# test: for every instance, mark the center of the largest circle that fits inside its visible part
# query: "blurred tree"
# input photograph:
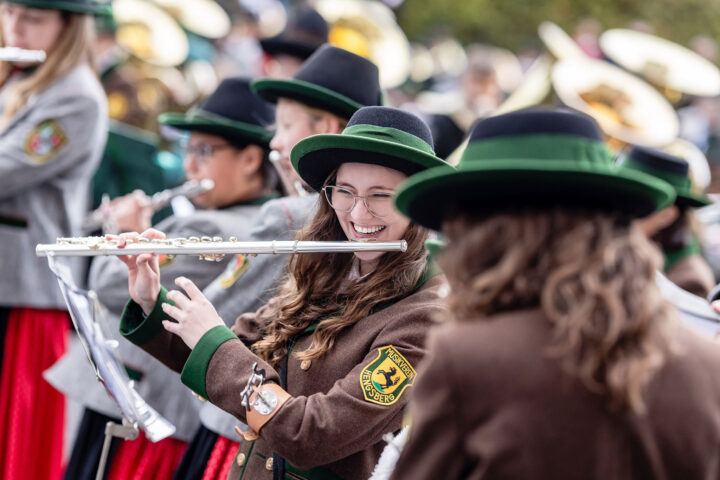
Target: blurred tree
(513, 23)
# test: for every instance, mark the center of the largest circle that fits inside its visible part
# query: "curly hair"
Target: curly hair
(591, 273)
(314, 292)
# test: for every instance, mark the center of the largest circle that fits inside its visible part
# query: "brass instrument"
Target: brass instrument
(99, 217)
(292, 185)
(14, 54)
(672, 68)
(201, 17)
(368, 28)
(207, 248)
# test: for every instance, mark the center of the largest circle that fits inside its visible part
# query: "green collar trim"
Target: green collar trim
(671, 258)
(389, 134)
(263, 200)
(574, 150)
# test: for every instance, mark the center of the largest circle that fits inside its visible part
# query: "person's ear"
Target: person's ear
(251, 158)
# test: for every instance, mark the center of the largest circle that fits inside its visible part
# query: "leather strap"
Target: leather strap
(255, 419)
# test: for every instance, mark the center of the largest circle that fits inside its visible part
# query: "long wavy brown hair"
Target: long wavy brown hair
(592, 274)
(313, 290)
(74, 46)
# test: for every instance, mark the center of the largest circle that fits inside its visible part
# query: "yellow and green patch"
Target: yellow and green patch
(234, 271)
(384, 379)
(44, 141)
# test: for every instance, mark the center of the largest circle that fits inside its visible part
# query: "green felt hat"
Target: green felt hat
(383, 136)
(231, 112)
(331, 79)
(674, 170)
(538, 157)
(77, 6)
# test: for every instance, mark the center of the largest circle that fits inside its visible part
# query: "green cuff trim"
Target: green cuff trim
(140, 329)
(195, 369)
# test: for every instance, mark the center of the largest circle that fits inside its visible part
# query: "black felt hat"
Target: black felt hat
(305, 32)
(537, 157)
(384, 136)
(447, 135)
(77, 6)
(332, 79)
(670, 168)
(231, 112)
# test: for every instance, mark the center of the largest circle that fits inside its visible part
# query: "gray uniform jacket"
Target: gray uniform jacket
(278, 220)
(159, 386)
(49, 152)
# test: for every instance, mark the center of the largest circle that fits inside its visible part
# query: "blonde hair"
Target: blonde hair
(73, 47)
(593, 275)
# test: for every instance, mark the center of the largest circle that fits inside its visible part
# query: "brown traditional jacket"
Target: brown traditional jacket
(490, 404)
(342, 403)
(692, 273)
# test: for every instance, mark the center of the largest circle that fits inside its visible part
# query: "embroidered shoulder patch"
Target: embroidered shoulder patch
(234, 270)
(384, 379)
(44, 141)
(165, 260)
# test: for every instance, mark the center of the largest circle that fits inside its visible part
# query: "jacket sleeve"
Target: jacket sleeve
(54, 137)
(323, 427)
(434, 446)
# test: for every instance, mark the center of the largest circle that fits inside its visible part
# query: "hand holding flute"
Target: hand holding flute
(194, 315)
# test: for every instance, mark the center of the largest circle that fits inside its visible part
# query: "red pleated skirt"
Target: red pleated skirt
(141, 459)
(32, 413)
(221, 458)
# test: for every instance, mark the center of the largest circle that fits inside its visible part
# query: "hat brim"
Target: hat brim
(214, 126)
(692, 200)
(429, 196)
(270, 89)
(316, 157)
(278, 46)
(89, 8)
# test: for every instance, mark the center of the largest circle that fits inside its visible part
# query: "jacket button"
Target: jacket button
(240, 460)
(269, 464)
(305, 365)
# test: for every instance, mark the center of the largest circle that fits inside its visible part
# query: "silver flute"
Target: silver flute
(207, 248)
(14, 54)
(98, 218)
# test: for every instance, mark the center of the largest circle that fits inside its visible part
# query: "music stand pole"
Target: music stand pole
(126, 431)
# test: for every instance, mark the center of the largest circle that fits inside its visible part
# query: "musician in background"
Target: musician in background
(305, 32)
(562, 361)
(671, 228)
(323, 95)
(228, 144)
(53, 126)
(339, 341)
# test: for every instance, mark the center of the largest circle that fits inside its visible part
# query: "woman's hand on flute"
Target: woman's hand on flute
(193, 313)
(143, 270)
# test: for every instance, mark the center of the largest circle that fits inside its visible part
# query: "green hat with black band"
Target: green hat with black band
(76, 6)
(532, 158)
(674, 170)
(231, 112)
(383, 136)
(331, 79)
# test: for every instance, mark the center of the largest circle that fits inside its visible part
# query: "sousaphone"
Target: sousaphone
(672, 68)
(369, 29)
(149, 33)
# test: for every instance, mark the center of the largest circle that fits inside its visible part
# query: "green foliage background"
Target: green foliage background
(513, 23)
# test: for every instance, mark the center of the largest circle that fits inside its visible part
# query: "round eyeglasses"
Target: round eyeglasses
(343, 200)
(202, 151)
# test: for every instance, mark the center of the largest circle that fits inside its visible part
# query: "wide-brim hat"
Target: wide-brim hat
(305, 32)
(331, 79)
(674, 170)
(383, 136)
(528, 159)
(231, 112)
(76, 6)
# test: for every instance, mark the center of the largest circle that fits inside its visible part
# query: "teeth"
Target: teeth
(367, 230)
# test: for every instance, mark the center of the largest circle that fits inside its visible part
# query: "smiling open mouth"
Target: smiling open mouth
(367, 230)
